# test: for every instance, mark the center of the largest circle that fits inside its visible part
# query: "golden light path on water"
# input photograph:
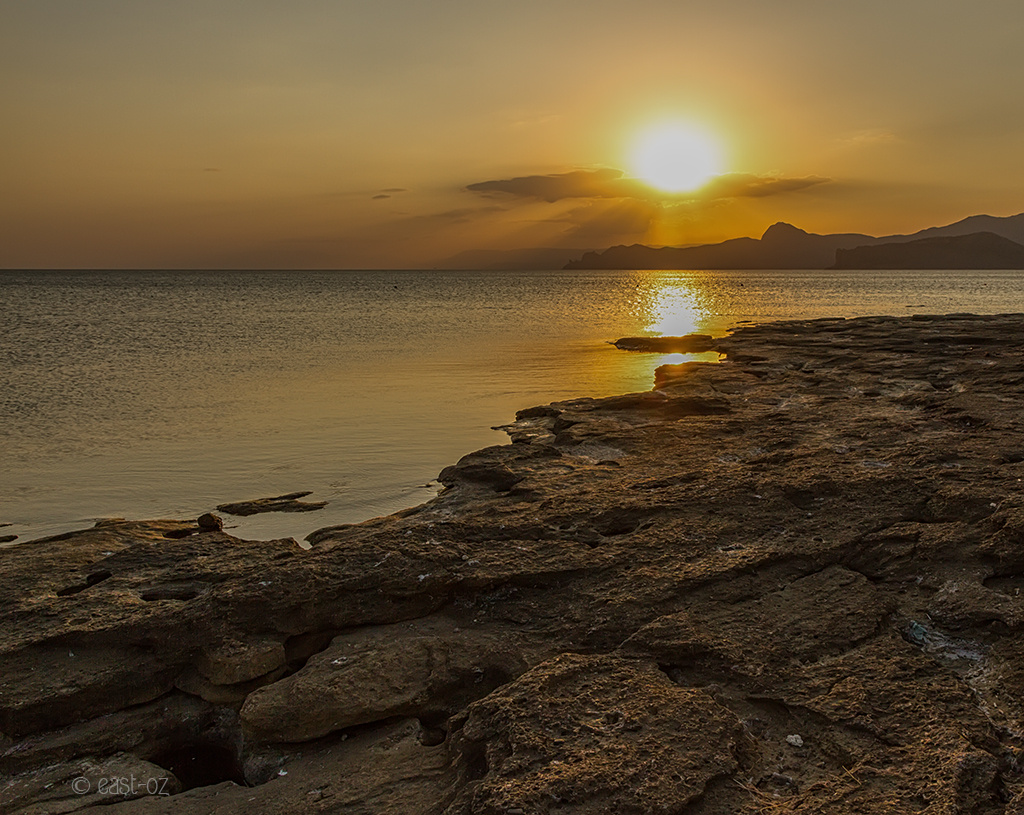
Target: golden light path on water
(674, 311)
(673, 304)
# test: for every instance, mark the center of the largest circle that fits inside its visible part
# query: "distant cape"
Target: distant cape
(784, 246)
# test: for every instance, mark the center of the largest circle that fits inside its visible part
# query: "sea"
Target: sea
(161, 394)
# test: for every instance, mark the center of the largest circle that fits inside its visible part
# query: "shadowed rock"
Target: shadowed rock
(208, 521)
(688, 344)
(378, 673)
(280, 503)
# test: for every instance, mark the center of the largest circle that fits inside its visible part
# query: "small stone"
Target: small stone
(795, 740)
(210, 522)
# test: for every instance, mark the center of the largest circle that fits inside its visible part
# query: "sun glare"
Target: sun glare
(675, 157)
(674, 310)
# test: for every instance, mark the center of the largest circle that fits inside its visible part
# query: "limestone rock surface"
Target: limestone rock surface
(592, 734)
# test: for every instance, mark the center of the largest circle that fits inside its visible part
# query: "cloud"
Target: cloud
(612, 183)
(388, 192)
(459, 216)
(558, 186)
(744, 185)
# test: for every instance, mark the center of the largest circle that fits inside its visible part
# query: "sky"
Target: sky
(400, 133)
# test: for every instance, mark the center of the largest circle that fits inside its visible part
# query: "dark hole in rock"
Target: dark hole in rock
(674, 673)
(475, 758)
(620, 520)
(181, 533)
(1010, 585)
(181, 592)
(300, 647)
(618, 526)
(201, 764)
(432, 731)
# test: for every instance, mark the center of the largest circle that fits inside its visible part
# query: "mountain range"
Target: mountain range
(978, 250)
(977, 242)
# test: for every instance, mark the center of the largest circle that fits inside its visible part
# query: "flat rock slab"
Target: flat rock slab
(278, 503)
(382, 672)
(687, 344)
(86, 783)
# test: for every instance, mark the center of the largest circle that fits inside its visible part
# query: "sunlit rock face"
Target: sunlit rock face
(790, 580)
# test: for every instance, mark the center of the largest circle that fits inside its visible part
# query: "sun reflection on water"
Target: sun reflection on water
(671, 304)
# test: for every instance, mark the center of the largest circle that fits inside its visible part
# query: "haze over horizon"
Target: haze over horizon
(319, 134)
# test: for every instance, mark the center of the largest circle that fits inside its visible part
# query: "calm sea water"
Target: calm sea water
(162, 394)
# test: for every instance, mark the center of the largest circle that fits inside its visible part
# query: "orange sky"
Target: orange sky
(343, 134)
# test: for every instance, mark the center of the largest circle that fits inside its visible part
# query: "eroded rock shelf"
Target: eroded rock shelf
(790, 582)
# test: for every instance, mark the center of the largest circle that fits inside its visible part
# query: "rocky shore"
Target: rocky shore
(790, 582)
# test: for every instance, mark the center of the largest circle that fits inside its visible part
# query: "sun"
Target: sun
(675, 157)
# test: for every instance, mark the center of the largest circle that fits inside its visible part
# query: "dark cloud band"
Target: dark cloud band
(551, 188)
(611, 183)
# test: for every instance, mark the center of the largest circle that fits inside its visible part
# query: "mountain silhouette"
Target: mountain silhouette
(978, 250)
(784, 246)
(1010, 227)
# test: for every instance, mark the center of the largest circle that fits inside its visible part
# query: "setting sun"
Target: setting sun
(675, 157)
